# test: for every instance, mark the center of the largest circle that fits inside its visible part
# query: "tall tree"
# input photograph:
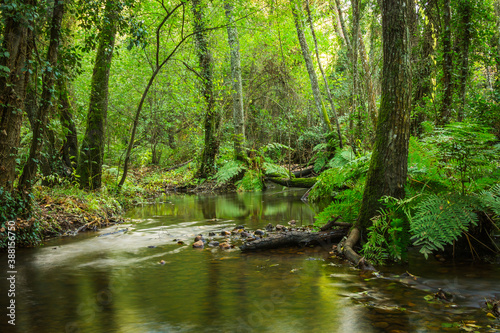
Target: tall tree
(92, 150)
(18, 24)
(48, 88)
(445, 110)
(388, 165)
(211, 146)
(325, 79)
(306, 54)
(464, 12)
(70, 143)
(238, 111)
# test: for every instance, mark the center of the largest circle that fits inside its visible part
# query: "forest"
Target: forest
(392, 107)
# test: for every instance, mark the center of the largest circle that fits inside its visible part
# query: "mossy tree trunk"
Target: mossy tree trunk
(464, 10)
(424, 68)
(48, 87)
(388, 165)
(211, 125)
(306, 54)
(70, 144)
(92, 150)
(237, 93)
(18, 24)
(445, 111)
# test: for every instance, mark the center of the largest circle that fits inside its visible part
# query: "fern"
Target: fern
(490, 200)
(252, 180)
(275, 169)
(439, 221)
(229, 171)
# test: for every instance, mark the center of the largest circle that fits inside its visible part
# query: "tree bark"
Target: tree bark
(294, 182)
(445, 111)
(48, 83)
(238, 111)
(92, 150)
(211, 125)
(464, 11)
(70, 145)
(309, 65)
(370, 91)
(325, 80)
(14, 76)
(388, 165)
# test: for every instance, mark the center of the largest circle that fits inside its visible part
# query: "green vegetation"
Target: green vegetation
(110, 101)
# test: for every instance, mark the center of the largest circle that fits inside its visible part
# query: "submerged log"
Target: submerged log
(295, 238)
(304, 172)
(294, 182)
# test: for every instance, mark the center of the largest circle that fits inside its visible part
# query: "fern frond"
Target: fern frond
(229, 170)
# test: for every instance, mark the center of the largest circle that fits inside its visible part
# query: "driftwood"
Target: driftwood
(294, 182)
(295, 238)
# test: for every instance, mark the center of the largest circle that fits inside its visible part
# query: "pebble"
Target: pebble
(199, 244)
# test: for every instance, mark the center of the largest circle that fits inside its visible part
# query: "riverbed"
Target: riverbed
(144, 276)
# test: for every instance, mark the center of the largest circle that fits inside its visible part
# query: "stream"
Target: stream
(112, 280)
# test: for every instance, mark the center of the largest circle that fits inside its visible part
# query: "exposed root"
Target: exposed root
(347, 249)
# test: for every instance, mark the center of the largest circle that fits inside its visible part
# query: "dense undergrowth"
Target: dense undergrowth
(452, 195)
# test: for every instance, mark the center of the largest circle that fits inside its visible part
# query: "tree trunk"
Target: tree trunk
(238, 111)
(388, 165)
(13, 62)
(70, 145)
(48, 83)
(325, 80)
(309, 65)
(445, 112)
(294, 182)
(92, 150)
(465, 8)
(370, 91)
(497, 57)
(424, 69)
(211, 147)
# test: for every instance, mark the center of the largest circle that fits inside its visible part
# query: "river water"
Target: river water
(112, 280)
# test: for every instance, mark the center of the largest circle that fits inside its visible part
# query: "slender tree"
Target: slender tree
(238, 111)
(92, 150)
(48, 88)
(445, 111)
(70, 143)
(388, 164)
(464, 12)
(325, 79)
(306, 54)
(211, 146)
(18, 24)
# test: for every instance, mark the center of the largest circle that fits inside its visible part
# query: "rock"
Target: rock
(225, 233)
(180, 242)
(245, 234)
(198, 238)
(162, 262)
(279, 227)
(225, 246)
(213, 244)
(211, 234)
(269, 227)
(199, 244)
(292, 222)
(258, 232)
(240, 227)
(151, 246)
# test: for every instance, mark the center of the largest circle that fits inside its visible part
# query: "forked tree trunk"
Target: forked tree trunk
(238, 111)
(13, 62)
(92, 150)
(48, 85)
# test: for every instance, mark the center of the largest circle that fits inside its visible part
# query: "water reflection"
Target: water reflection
(112, 281)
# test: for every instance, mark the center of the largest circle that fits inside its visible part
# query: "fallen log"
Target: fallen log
(178, 166)
(335, 223)
(303, 172)
(296, 238)
(294, 182)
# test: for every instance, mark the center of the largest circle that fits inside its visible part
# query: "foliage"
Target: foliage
(346, 172)
(229, 170)
(388, 235)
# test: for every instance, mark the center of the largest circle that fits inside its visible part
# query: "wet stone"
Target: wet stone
(199, 244)
(213, 244)
(259, 232)
(381, 324)
(211, 234)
